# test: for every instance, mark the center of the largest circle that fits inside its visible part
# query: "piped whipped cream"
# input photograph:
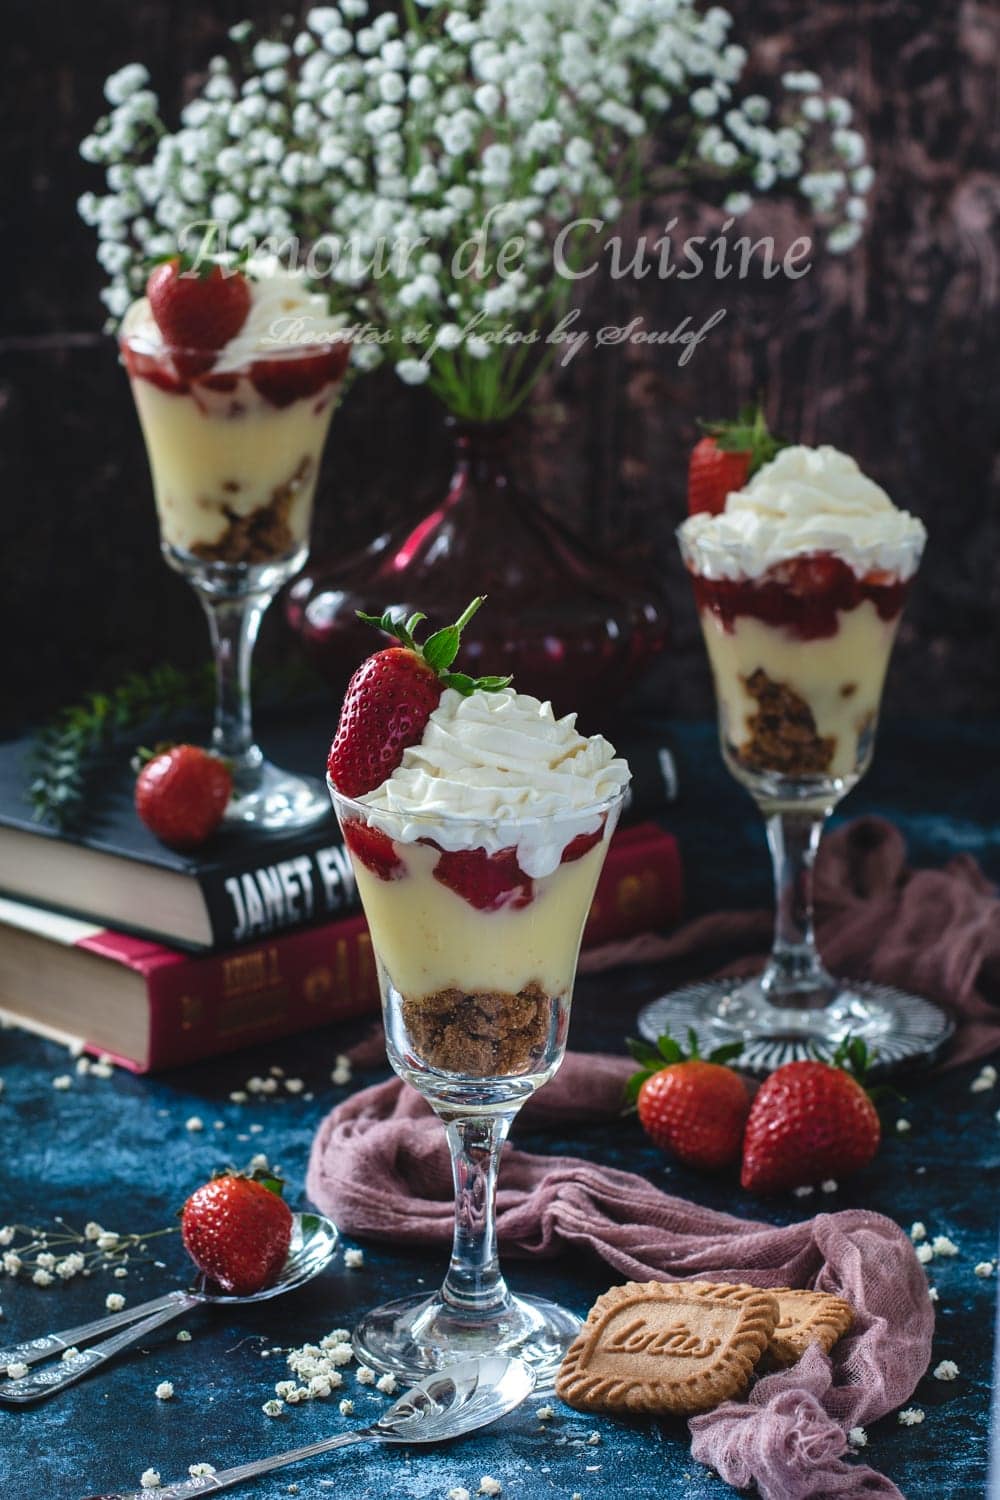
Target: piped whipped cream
(489, 761)
(283, 314)
(805, 500)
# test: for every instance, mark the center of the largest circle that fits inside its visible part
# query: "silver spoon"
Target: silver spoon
(314, 1241)
(444, 1405)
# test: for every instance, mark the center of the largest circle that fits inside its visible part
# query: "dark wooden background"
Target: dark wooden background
(890, 353)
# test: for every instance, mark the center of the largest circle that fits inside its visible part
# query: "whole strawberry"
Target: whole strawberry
(237, 1230)
(693, 1107)
(181, 795)
(390, 698)
(727, 456)
(810, 1121)
(197, 311)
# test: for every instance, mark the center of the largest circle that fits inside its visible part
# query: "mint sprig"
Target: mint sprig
(440, 649)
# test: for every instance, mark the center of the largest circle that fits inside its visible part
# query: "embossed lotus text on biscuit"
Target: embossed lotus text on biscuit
(677, 1339)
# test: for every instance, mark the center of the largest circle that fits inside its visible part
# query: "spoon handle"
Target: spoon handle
(212, 1483)
(56, 1378)
(32, 1350)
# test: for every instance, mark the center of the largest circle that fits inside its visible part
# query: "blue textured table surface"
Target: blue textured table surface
(117, 1150)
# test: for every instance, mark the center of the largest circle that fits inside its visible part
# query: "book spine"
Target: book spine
(641, 887)
(257, 901)
(203, 1006)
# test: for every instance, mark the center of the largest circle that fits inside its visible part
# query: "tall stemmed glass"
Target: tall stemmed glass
(234, 457)
(476, 985)
(798, 658)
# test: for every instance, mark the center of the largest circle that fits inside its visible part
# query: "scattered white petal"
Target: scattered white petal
(386, 1383)
(984, 1269)
(17, 1371)
(458, 1492)
(150, 1479)
(70, 1353)
(829, 1186)
(366, 1375)
(932, 1293)
(64, 1081)
(201, 1471)
(918, 1231)
(946, 1370)
(183, 1337)
(802, 1192)
(942, 1245)
(925, 1254)
(164, 1391)
(354, 1259)
(195, 1123)
(911, 1416)
(114, 1302)
(489, 1486)
(273, 1408)
(545, 1414)
(858, 1437)
(593, 1440)
(346, 1408)
(903, 1127)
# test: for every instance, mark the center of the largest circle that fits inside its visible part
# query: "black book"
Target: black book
(243, 885)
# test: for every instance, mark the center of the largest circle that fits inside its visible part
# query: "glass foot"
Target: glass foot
(271, 798)
(416, 1335)
(901, 1029)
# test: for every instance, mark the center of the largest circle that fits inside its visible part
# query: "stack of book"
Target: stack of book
(157, 958)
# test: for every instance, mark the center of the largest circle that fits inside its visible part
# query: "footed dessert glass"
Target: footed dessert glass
(476, 961)
(234, 456)
(798, 658)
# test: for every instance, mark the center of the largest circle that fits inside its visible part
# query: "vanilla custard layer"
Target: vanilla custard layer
(427, 938)
(840, 677)
(218, 455)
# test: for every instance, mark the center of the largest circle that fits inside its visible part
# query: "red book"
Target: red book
(150, 1007)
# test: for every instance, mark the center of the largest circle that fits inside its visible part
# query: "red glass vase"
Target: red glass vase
(569, 626)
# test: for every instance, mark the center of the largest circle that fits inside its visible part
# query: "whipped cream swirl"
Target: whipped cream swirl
(283, 314)
(805, 500)
(490, 761)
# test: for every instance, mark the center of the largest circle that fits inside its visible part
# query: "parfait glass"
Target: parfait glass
(234, 456)
(476, 961)
(798, 658)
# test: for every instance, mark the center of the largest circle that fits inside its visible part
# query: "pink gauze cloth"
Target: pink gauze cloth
(380, 1168)
(928, 932)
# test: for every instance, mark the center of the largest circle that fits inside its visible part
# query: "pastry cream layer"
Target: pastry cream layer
(840, 677)
(427, 938)
(215, 455)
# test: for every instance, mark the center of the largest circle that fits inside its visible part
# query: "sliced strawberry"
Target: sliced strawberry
(197, 312)
(487, 881)
(374, 849)
(581, 845)
(282, 381)
(158, 371)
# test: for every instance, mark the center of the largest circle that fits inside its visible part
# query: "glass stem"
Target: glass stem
(474, 1284)
(795, 977)
(233, 625)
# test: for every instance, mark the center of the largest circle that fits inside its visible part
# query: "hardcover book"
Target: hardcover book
(151, 1007)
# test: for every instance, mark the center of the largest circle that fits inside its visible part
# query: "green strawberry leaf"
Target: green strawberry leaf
(726, 1053)
(643, 1053)
(669, 1050)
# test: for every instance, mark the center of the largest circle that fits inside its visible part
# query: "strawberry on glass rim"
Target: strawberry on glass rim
(392, 695)
(197, 310)
(727, 456)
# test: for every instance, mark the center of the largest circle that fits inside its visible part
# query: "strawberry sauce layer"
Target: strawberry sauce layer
(279, 381)
(804, 595)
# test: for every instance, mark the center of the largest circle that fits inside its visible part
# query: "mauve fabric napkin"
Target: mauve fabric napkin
(379, 1166)
(929, 932)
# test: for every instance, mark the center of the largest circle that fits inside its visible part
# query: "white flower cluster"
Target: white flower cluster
(436, 158)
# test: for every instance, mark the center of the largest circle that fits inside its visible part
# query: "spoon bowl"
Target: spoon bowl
(448, 1403)
(313, 1245)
